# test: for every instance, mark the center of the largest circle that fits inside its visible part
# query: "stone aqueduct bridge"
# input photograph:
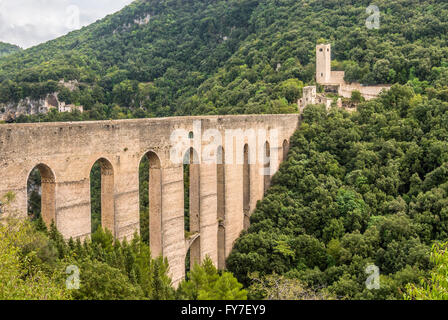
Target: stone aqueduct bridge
(221, 196)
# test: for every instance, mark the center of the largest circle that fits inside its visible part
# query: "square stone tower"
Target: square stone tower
(323, 63)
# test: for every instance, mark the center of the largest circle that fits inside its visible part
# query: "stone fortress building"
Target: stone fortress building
(223, 194)
(333, 82)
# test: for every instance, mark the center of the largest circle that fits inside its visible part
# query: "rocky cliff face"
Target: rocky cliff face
(11, 110)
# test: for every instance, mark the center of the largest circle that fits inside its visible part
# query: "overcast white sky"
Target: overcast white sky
(27, 23)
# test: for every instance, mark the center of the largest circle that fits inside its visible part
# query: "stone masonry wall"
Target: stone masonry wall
(66, 153)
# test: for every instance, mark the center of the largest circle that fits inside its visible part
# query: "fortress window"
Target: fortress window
(320, 49)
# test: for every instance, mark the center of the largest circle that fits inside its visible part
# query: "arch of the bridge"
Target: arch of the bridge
(155, 202)
(48, 192)
(108, 216)
(192, 207)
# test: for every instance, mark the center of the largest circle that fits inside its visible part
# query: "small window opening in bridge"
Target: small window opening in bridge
(191, 203)
(150, 188)
(267, 166)
(285, 150)
(41, 194)
(102, 196)
(246, 188)
(191, 135)
(187, 264)
(221, 198)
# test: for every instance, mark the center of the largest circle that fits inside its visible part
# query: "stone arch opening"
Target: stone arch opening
(41, 193)
(285, 150)
(267, 166)
(192, 203)
(150, 190)
(246, 187)
(102, 196)
(221, 198)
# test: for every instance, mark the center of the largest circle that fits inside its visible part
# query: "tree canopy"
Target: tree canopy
(7, 49)
(357, 189)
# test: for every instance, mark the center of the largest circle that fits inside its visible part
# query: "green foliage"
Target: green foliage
(95, 196)
(100, 281)
(226, 57)
(144, 199)
(33, 265)
(360, 188)
(135, 274)
(206, 283)
(6, 49)
(436, 286)
(356, 96)
(34, 198)
(277, 287)
(144, 68)
(21, 275)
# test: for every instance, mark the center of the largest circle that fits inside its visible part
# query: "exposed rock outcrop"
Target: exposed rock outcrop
(11, 110)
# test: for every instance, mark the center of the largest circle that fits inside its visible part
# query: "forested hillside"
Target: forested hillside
(357, 189)
(38, 264)
(147, 55)
(235, 56)
(360, 188)
(7, 49)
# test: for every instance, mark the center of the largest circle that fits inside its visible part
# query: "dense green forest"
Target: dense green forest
(361, 188)
(357, 189)
(7, 49)
(220, 57)
(36, 263)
